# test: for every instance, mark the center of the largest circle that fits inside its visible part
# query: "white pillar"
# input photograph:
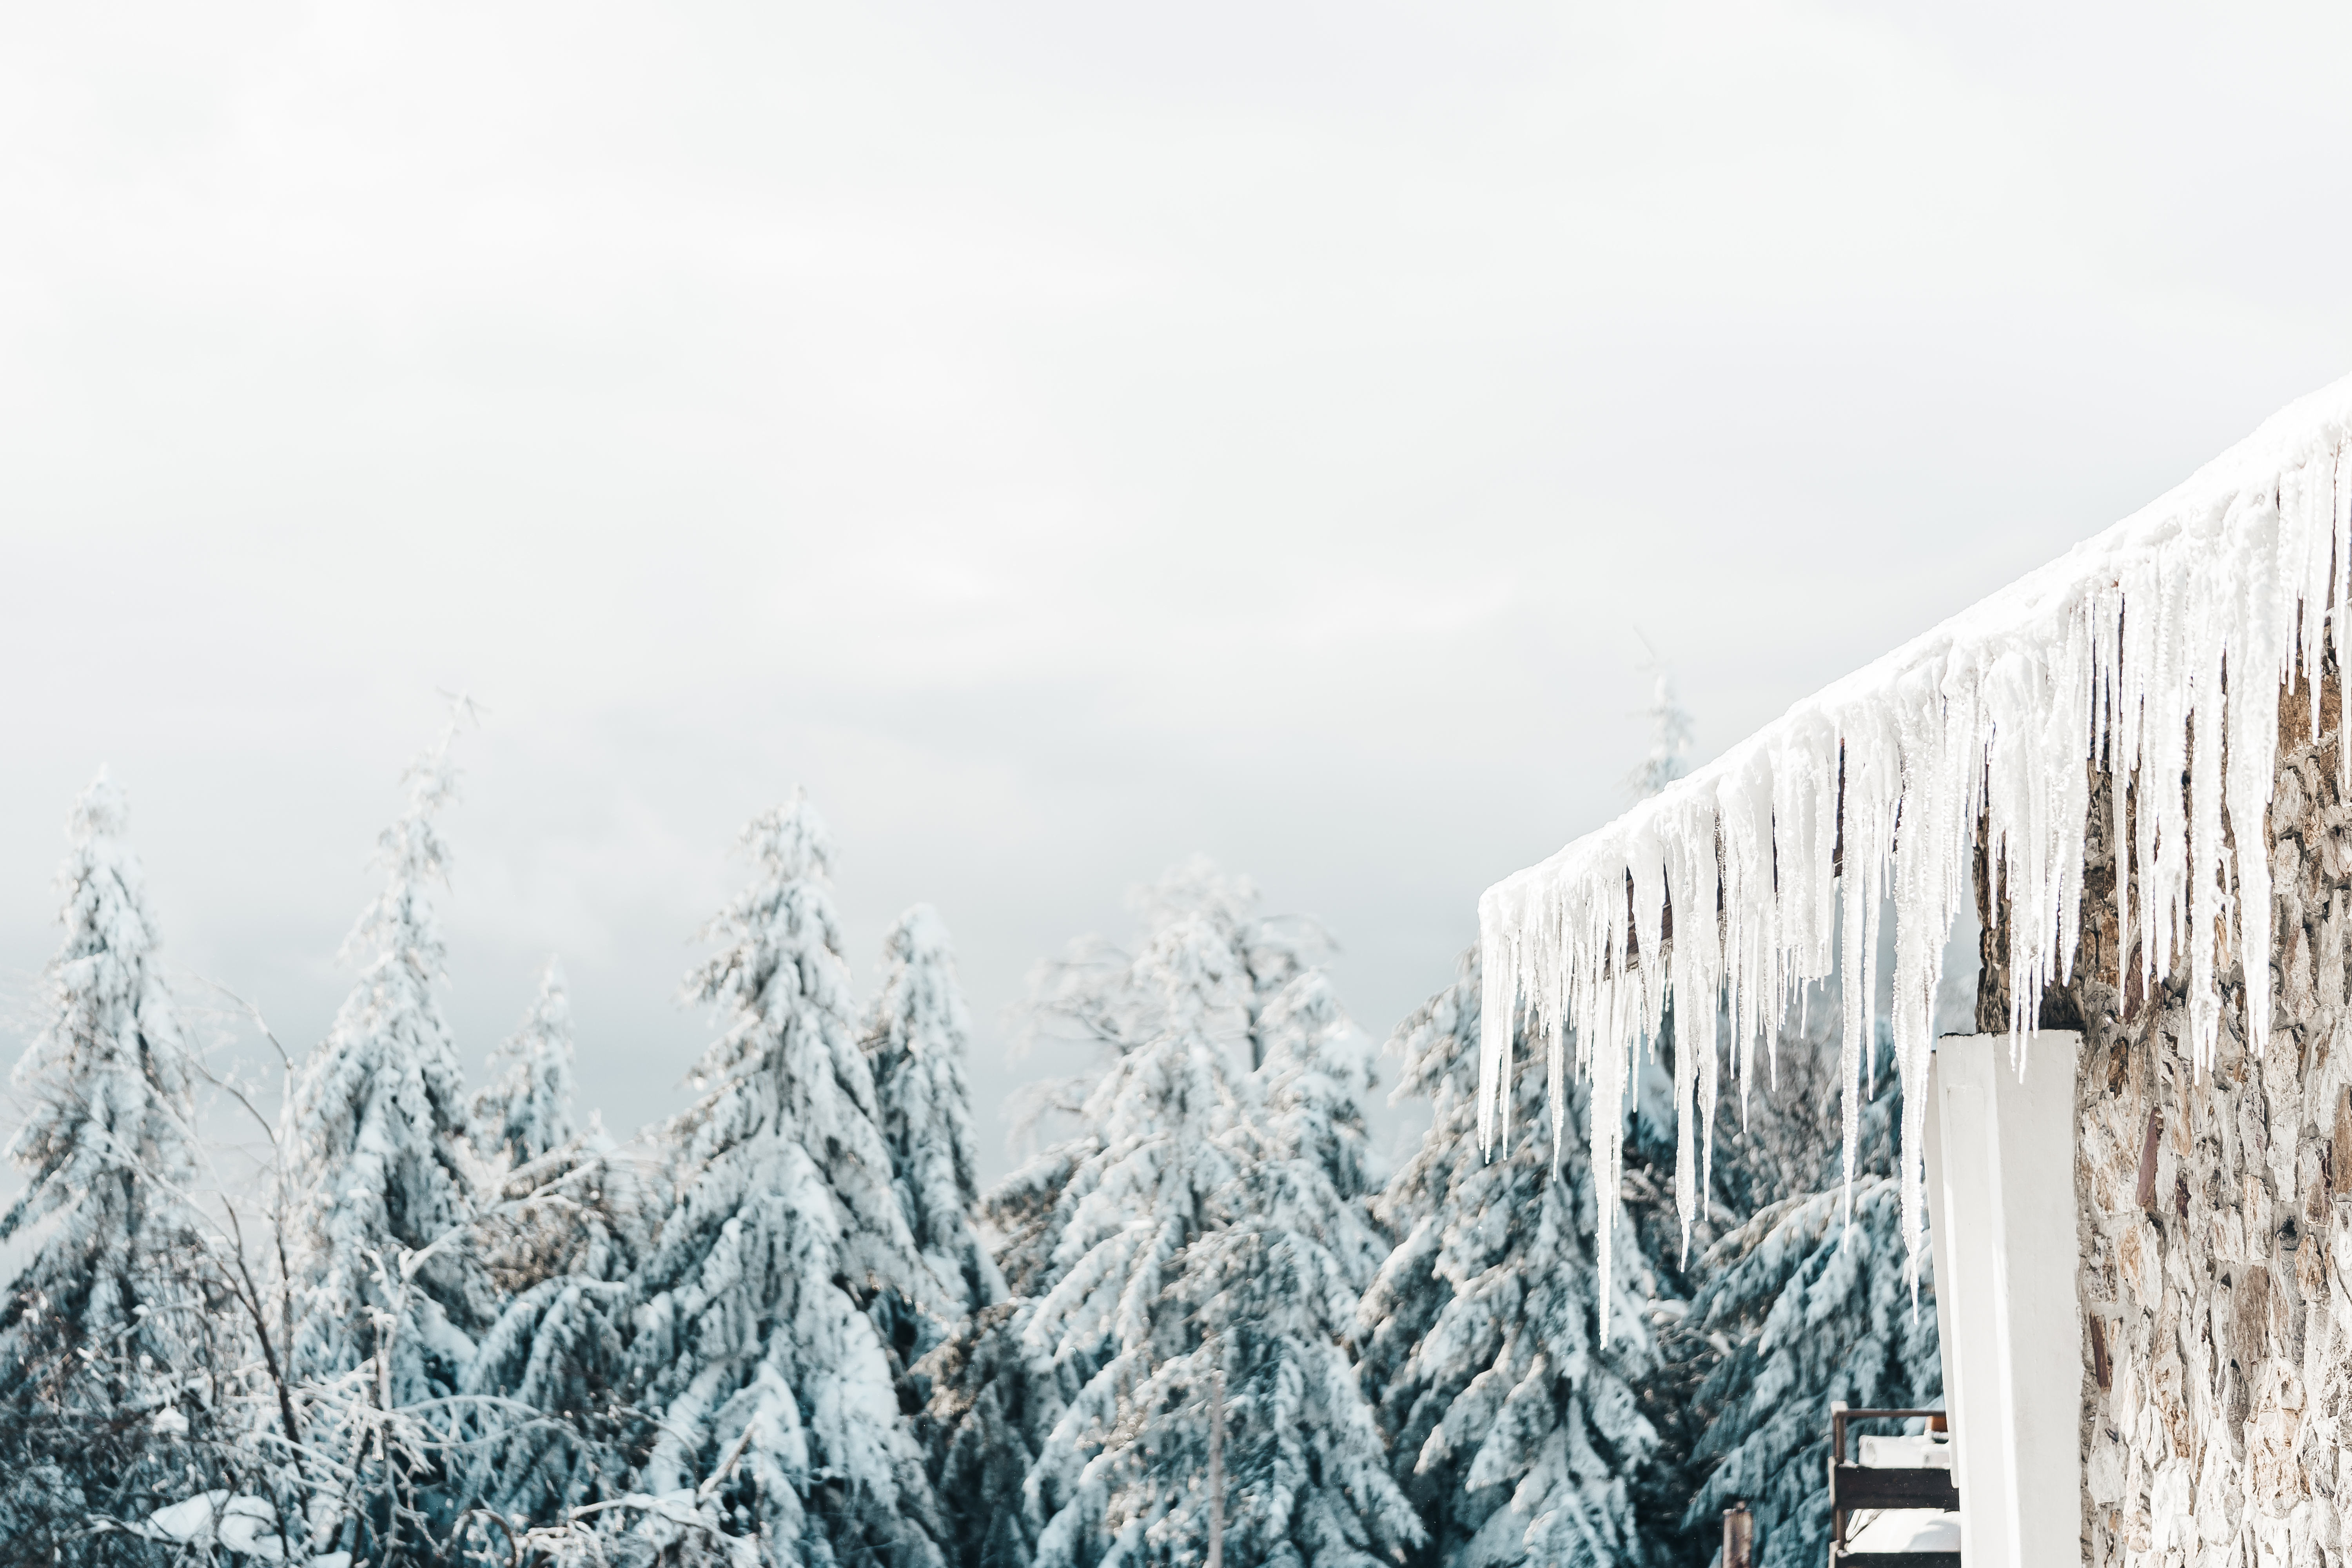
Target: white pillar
(2001, 1212)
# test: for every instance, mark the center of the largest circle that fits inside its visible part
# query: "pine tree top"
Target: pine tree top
(381, 1124)
(107, 1145)
(526, 1111)
(106, 1074)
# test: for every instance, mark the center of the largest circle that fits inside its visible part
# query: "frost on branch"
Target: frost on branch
(1100, 994)
(2155, 651)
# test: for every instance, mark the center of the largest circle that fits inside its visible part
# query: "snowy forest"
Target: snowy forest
(375, 1308)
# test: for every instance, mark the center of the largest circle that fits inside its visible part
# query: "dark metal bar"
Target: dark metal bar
(1854, 1486)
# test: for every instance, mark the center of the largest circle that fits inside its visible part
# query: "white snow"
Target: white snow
(1918, 1452)
(185, 1520)
(2119, 652)
(1907, 1529)
(248, 1526)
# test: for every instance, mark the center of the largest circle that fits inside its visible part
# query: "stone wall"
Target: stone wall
(2216, 1219)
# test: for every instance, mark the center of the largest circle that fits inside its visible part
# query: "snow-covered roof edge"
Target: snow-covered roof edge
(2115, 651)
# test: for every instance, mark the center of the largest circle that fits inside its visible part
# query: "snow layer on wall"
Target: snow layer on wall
(2121, 654)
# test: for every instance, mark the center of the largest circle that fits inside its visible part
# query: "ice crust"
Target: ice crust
(1873, 790)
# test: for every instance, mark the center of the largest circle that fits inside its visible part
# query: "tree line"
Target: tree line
(363, 1314)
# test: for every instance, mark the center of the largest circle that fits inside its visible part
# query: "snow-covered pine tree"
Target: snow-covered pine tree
(101, 1328)
(566, 1232)
(994, 1401)
(1314, 1149)
(1668, 757)
(996, 1397)
(1119, 1480)
(916, 1036)
(1215, 1235)
(1109, 998)
(1279, 1289)
(387, 1278)
(1100, 994)
(525, 1109)
(1816, 1311)
(999, 1392)
(1768, 1144)
(1520, 1437)
(776, 1393)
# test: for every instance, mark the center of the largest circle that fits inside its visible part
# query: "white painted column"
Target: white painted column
(2001, 1212)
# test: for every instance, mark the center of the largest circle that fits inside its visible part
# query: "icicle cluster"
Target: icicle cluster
(1741, 883)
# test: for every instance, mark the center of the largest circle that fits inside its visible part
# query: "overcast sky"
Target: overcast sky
(1065, 437)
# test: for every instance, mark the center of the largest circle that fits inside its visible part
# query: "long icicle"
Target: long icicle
(2126, 654)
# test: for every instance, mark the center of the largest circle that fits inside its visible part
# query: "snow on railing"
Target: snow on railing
(1873, 789)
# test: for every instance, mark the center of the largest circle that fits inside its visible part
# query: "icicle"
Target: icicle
(2151, 652)
(1499, 985)
(2205, 891)
(2111, 750)
(1693, 981)
(2257, 654)
(2340, 592)
(1872, 780)
(2307, 557)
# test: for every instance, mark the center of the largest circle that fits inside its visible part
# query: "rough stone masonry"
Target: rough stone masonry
(2216, 1214)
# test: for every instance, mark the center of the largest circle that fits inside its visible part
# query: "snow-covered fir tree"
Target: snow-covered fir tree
(999, 1392)
(1279, 1289)
(917, 1036)
(996, 1395)
(1668, 756)
(1519, 1436)
(525, 1110)
(379, 1130)
(1100, 994)
(1164, 1176)
(1816, 1311)
(1810, 1309)
(101, 1330)
(565, 1231)
(1315, 1155)
(776, 1395)
(1212, 1243)
(1004, 1384)
(994, 1401)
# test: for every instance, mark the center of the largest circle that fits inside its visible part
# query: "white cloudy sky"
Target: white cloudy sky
(1062, 436)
